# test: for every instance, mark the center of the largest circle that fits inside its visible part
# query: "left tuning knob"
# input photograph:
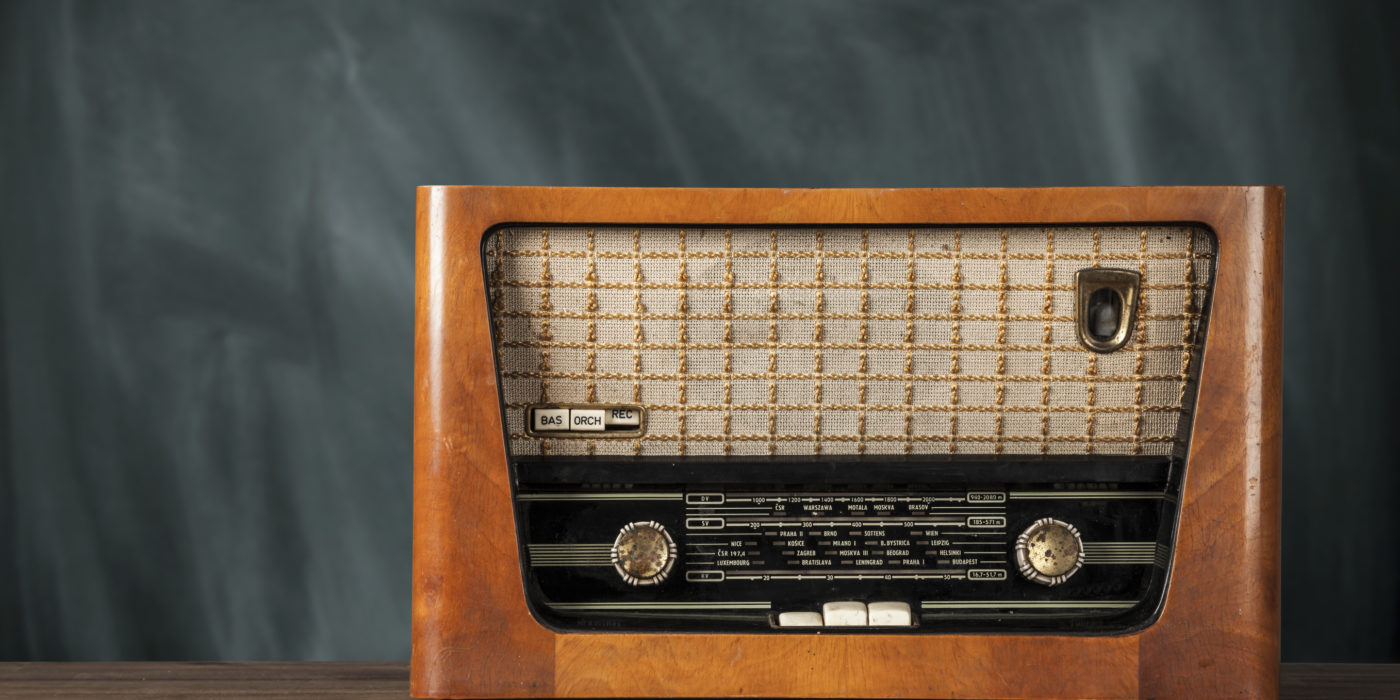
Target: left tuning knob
(644, 553)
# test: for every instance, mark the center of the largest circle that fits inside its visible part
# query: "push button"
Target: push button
(586, 419)
(622, 417)
(890, 614)
(545, 419)
(799, 619)
(844, 613)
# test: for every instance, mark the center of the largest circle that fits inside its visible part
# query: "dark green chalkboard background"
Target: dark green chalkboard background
(206, 255)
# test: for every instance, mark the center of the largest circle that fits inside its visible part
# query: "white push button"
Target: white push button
(550, 419)
(844, 613)
(585, 419)
(799, 619)
(622, 417)
(890, 614)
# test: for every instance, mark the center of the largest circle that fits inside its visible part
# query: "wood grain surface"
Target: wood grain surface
(1218, 634)
(390, 680)
(204, 680)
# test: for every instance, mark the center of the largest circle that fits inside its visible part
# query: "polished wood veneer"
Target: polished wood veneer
(389, 680)
(1218, 633)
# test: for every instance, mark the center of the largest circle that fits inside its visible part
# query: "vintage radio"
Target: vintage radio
(876, 443)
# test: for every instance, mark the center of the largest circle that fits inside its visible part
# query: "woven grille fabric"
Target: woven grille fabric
(753, 341)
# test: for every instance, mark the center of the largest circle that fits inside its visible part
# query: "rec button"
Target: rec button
(586, 420)
(622, 417)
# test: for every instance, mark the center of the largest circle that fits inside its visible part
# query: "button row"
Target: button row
(583, 419)
(851, 613)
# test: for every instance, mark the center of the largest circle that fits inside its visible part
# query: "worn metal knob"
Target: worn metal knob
(643, 553)
(1049, 552)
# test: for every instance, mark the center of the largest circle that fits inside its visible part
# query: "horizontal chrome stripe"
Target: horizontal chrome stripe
(1088, 495)
(1027, 604)
(586, 496)
(735, 605)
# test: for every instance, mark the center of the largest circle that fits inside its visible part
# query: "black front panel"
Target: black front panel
(757, 538)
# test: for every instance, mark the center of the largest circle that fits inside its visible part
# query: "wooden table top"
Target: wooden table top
(390, 680)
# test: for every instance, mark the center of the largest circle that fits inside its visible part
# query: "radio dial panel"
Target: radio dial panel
(713, 553)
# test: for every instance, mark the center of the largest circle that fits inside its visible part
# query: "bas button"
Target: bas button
(545, 419)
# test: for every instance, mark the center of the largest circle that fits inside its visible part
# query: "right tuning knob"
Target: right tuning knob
(1049, 552)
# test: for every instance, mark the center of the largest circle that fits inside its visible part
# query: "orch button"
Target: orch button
(585, 419)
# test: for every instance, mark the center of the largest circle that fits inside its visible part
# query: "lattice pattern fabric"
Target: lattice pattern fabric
(750, 341)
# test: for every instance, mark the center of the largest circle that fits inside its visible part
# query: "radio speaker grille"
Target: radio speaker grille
(754, 341)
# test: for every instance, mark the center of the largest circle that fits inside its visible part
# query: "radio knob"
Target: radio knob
(1049, 552)
(643, 553)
